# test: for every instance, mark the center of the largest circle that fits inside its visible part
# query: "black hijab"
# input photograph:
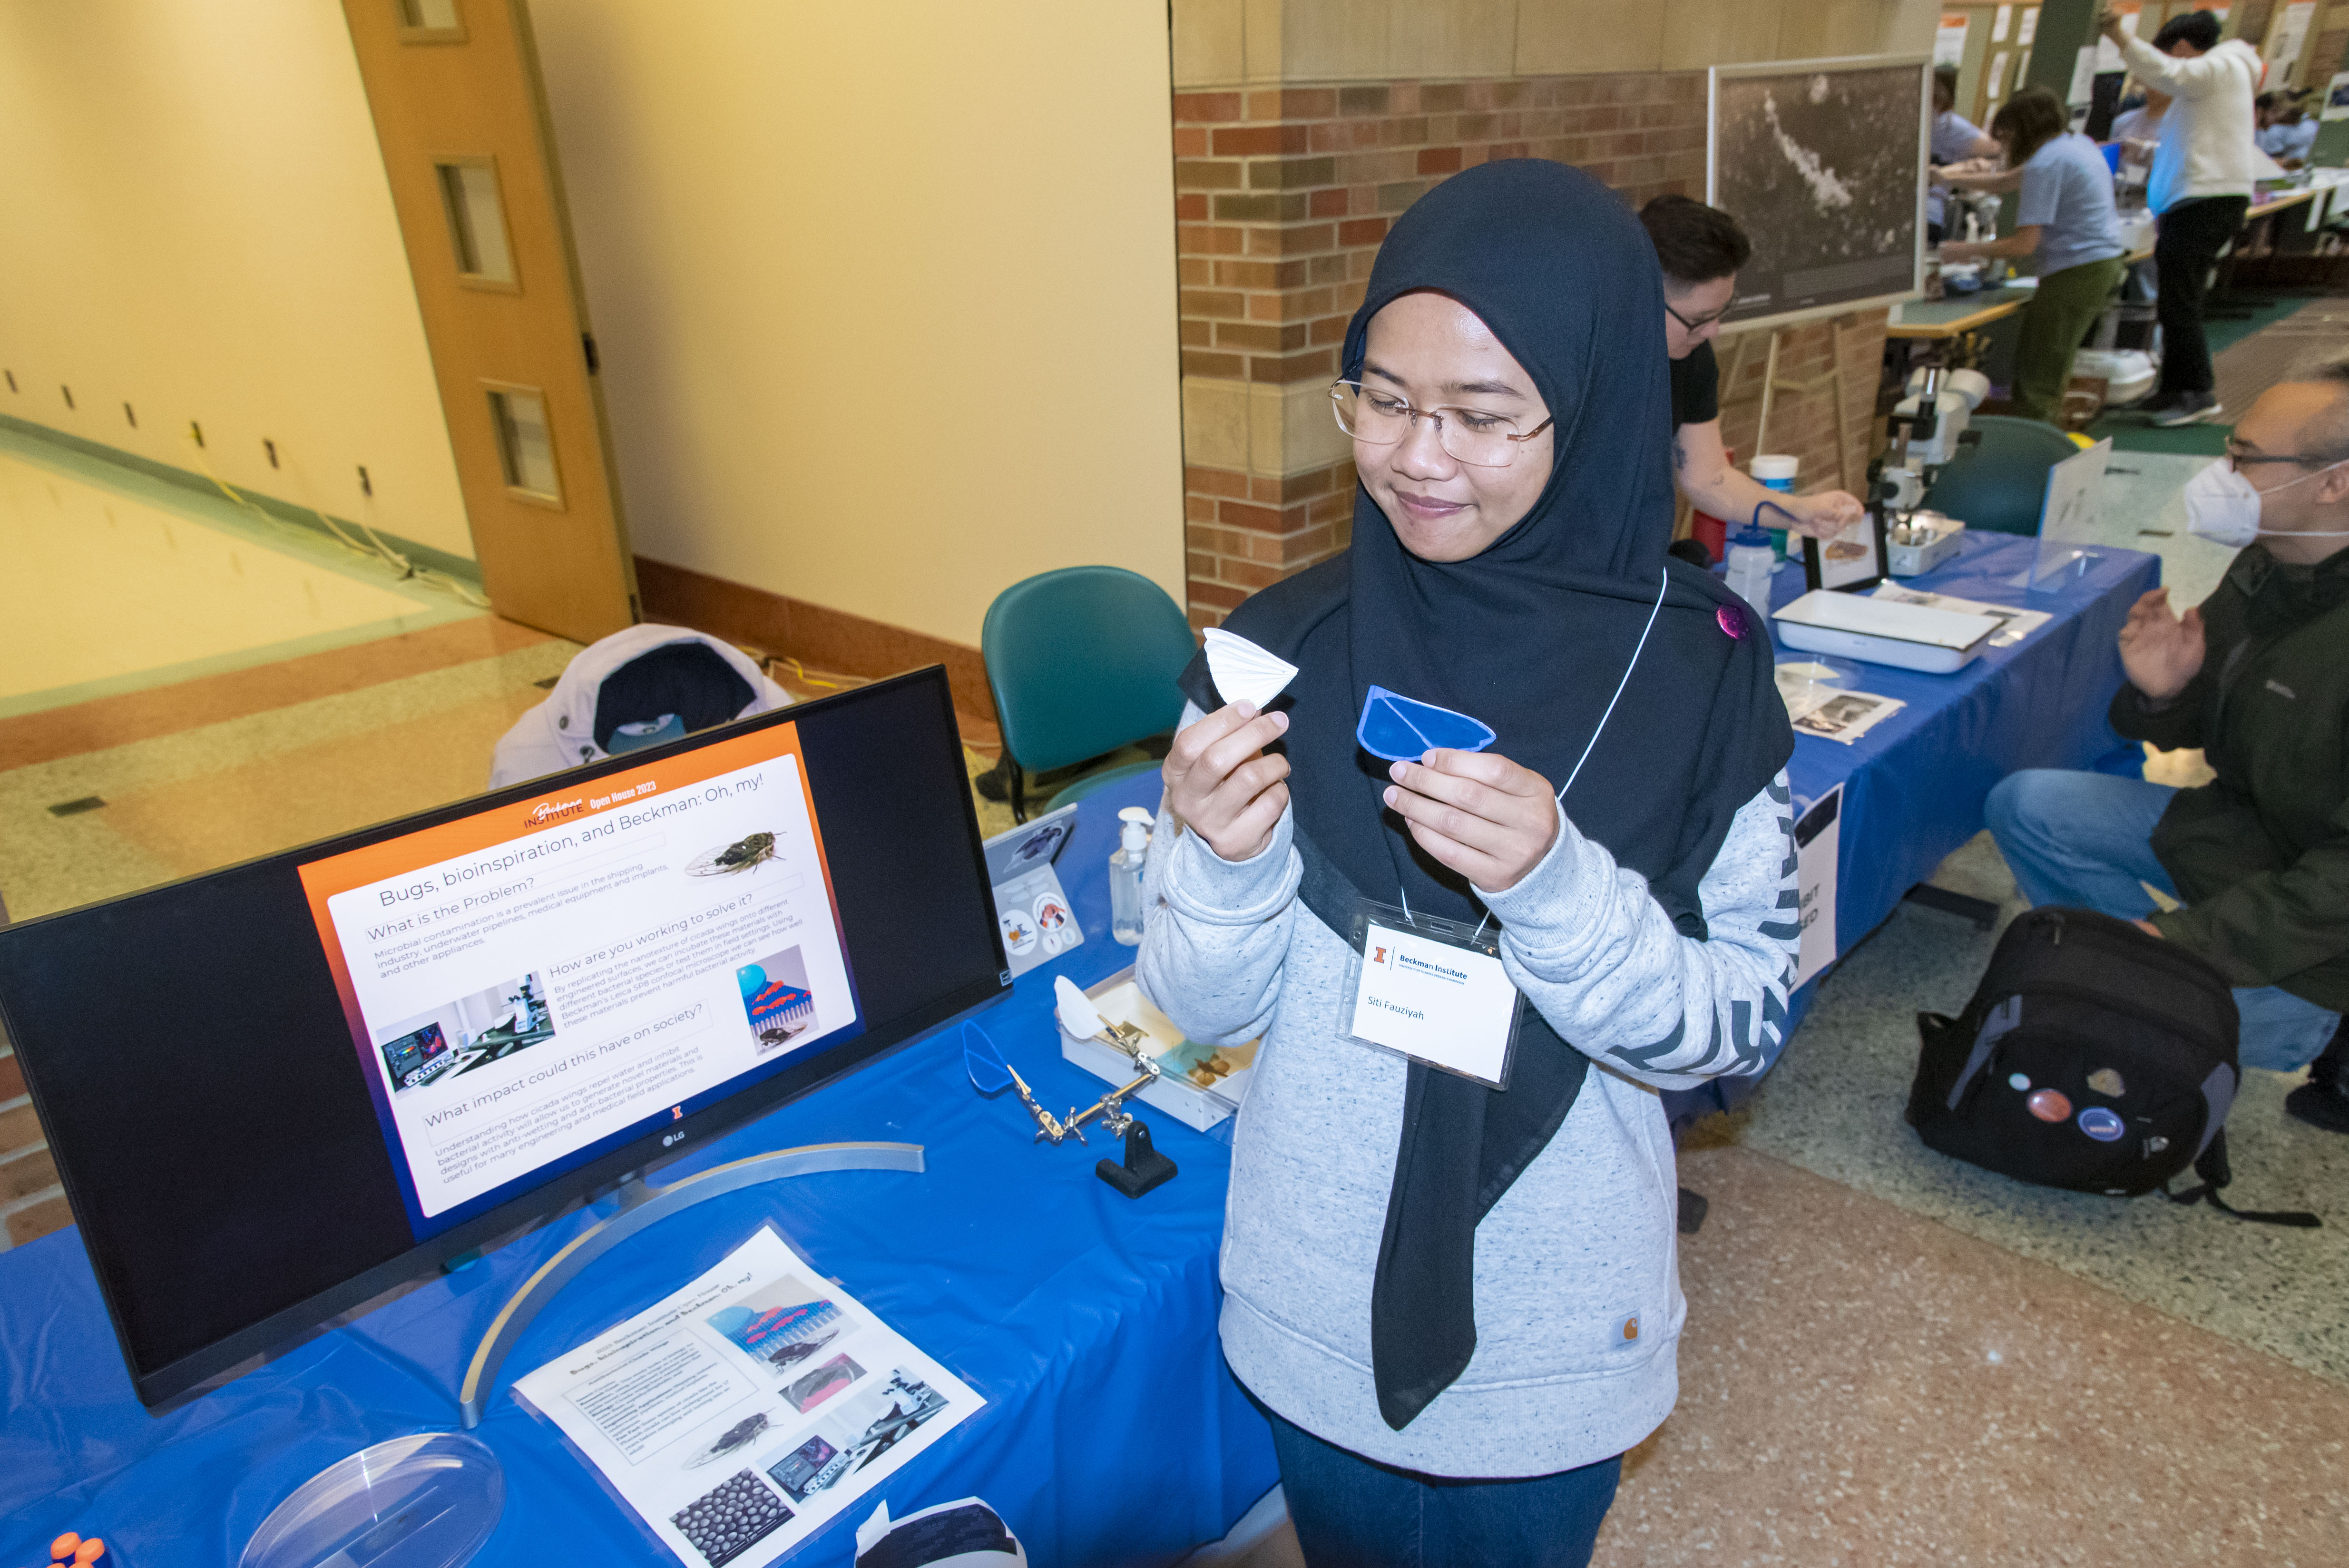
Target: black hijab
(1532, 637)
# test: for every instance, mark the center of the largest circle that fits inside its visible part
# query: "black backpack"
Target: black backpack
(2093, 1057)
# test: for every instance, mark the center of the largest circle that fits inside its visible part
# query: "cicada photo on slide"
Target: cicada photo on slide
(742, 855)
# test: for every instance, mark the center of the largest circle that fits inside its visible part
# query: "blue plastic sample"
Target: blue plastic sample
(1402, 730)
(989, 1073)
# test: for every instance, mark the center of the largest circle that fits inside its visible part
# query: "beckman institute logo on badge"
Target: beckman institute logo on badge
(1417, 965)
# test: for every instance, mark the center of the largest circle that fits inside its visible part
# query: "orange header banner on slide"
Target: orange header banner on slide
(630, 790)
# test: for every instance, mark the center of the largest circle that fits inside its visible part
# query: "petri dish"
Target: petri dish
(1805, 684)
(426, 1500)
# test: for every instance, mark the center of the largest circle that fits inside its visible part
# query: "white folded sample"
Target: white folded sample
(1243, 671)
(1075, 1011)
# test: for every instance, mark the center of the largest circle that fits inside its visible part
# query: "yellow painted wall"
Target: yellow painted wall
(1219, 42)
(885, 295)
(194, 220)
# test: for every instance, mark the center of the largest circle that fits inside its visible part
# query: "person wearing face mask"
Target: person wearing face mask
(2258, 677)
(1459, 1303)
(1701, 249)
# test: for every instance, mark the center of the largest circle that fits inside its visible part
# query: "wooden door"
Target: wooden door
(460, 112)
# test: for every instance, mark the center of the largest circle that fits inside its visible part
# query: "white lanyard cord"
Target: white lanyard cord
(1653, 611)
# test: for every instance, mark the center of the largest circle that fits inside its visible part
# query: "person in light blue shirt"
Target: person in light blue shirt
(2067, 196)
(2065, 221)
(1955, 139)
(2285, 134)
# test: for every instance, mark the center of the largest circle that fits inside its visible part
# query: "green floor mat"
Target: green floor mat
(2131, 432)
(2267, 306)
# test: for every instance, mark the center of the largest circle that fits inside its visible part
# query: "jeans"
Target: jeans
(1352, 1512)
(2086, 840)
(2187, 246)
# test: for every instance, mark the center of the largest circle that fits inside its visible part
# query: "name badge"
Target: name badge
(1433, 990)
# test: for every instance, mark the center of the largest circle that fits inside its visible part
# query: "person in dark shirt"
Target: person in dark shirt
(1702, 248)
(2258, 677)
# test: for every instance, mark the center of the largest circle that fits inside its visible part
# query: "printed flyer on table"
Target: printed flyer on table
(747, 1410)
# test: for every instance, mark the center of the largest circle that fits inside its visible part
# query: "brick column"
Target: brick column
(1271, 269)
(1282, 197)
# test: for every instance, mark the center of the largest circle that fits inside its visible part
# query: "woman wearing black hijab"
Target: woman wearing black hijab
(1460, 1302)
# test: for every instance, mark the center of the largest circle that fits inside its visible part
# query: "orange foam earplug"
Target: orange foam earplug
(89, 1552)
(62, 1549)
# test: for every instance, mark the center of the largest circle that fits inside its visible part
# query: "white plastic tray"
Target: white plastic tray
(1120, 1001)
(1907, 637)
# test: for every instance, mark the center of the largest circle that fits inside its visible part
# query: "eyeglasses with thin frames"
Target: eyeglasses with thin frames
(2237, 459)
(1701, 323)
(1477, 437)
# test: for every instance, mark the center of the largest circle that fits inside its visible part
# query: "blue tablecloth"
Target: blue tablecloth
(1913, 786)
(1112, 1434)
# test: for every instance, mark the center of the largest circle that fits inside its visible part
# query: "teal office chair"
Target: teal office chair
(1081, 661)
(2002, 484)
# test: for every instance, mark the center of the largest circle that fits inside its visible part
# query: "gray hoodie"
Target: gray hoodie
(1579, 1305)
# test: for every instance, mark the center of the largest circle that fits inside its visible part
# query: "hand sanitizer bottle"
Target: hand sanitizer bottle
(1125, 875)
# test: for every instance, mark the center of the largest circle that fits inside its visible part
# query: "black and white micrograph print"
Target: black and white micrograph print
(1821, 169)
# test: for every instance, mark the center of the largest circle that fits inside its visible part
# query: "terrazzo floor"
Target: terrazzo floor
(1833, 1106)
(1860, 1385)
(191, 801)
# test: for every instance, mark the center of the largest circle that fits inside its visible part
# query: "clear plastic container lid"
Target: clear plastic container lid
(428, 1500)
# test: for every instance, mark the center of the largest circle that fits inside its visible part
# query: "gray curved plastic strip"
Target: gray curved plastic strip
(506, 1328)
(2002, 1021)
(2218, 1099)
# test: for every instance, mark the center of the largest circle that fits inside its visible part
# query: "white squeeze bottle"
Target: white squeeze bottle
(1125, 875)
(1750, 562)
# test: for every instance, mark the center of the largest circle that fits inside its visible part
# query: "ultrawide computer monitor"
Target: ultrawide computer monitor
(448, 1025)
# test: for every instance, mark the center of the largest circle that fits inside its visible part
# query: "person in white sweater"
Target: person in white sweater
(2199, 187)
(1456, 1297)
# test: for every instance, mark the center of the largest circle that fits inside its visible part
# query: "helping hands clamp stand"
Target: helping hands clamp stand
(1144, 1168)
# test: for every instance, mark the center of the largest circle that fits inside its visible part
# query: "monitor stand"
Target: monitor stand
(642, 1206)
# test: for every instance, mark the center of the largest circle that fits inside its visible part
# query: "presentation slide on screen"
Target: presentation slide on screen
(526, 981)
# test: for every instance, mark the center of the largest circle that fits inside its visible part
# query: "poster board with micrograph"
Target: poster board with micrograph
(1822, 164)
